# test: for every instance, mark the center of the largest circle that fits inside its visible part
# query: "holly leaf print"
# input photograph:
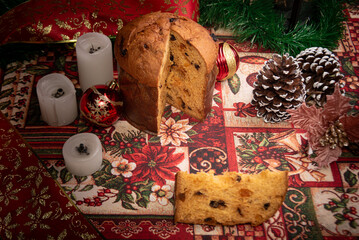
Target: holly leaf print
(348, 67)
(234, 84)
(350, 178)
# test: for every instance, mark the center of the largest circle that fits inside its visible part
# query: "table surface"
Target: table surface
(321, 203)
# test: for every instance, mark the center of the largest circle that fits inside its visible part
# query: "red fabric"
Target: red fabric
(57, 20)
(33, 205)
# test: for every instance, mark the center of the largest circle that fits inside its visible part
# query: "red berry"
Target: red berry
(143, 144)
(122, 144)
(87, 200)
(112, 143)
(128, 145)
(106, 142)
(128, 191)
(97, 199)
(331, 203)
(91, 204)
(350, 218)
(257, 159)
(96, 130)
(345, 196)
(101, 194)
(346, 216)
(353, 210)
(107, 138)
(142, 140)
(103, 131)
(79, 202)
(122, 147)
(262, 149)
(107, 191)
(356, 107)
(126, 180)
(352, 166)
(135, 139)
(98, 203)
(99, 136)
(134, 188)
(128, 186)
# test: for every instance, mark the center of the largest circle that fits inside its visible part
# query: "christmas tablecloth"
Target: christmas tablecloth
(321, 203)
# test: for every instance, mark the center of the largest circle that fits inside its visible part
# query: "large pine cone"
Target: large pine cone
(279, 87)
(321, 70)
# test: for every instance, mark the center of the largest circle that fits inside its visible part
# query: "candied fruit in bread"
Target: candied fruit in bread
(165, 58)
(229, 199)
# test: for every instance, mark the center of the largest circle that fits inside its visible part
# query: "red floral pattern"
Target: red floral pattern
(156, 163)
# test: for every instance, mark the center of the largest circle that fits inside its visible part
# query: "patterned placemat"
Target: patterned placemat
(321, 203)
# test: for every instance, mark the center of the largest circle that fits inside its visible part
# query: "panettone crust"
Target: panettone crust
(142, 52)
(147, 62)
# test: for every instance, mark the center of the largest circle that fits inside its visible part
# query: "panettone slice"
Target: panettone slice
(165, 58)
(229, 199)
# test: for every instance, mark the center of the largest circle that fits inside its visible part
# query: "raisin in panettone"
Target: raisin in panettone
(165, 58)
(229, 199)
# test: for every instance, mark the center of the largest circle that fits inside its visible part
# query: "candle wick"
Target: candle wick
(93, 49)
(60, 92)
(82, 149)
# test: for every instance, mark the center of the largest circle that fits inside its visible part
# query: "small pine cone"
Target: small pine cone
(279, 87)
(321, 70)
(335, 136)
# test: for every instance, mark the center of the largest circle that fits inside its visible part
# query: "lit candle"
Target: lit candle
(82, 154)
(57, 99)
(94, 59)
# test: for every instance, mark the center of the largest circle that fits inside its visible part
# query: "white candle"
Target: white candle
(57, 99)
(82, 154)
(94, 59)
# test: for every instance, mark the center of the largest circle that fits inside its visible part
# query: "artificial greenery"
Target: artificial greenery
(258, 21)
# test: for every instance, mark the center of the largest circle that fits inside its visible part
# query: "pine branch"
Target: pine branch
(259, 22)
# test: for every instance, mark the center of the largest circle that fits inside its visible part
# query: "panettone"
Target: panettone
(165, 58)
(229, 199)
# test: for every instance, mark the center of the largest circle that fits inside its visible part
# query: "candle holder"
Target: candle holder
(57, 99)
(94, 59)
(82, 154)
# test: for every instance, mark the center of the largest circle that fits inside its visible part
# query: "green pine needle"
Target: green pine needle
(258, 22)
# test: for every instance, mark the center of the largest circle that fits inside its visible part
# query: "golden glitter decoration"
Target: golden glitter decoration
(335, 136)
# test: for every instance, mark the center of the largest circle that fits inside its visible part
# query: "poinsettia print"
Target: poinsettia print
(174, 132)
(155, 163)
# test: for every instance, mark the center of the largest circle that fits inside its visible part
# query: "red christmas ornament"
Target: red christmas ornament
(227, 61)
(101, 105)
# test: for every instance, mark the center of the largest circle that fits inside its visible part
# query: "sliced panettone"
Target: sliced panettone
(165, 58)
(229, 199)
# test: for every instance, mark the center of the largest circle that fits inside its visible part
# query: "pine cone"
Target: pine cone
(321, 70)
(279, 87)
